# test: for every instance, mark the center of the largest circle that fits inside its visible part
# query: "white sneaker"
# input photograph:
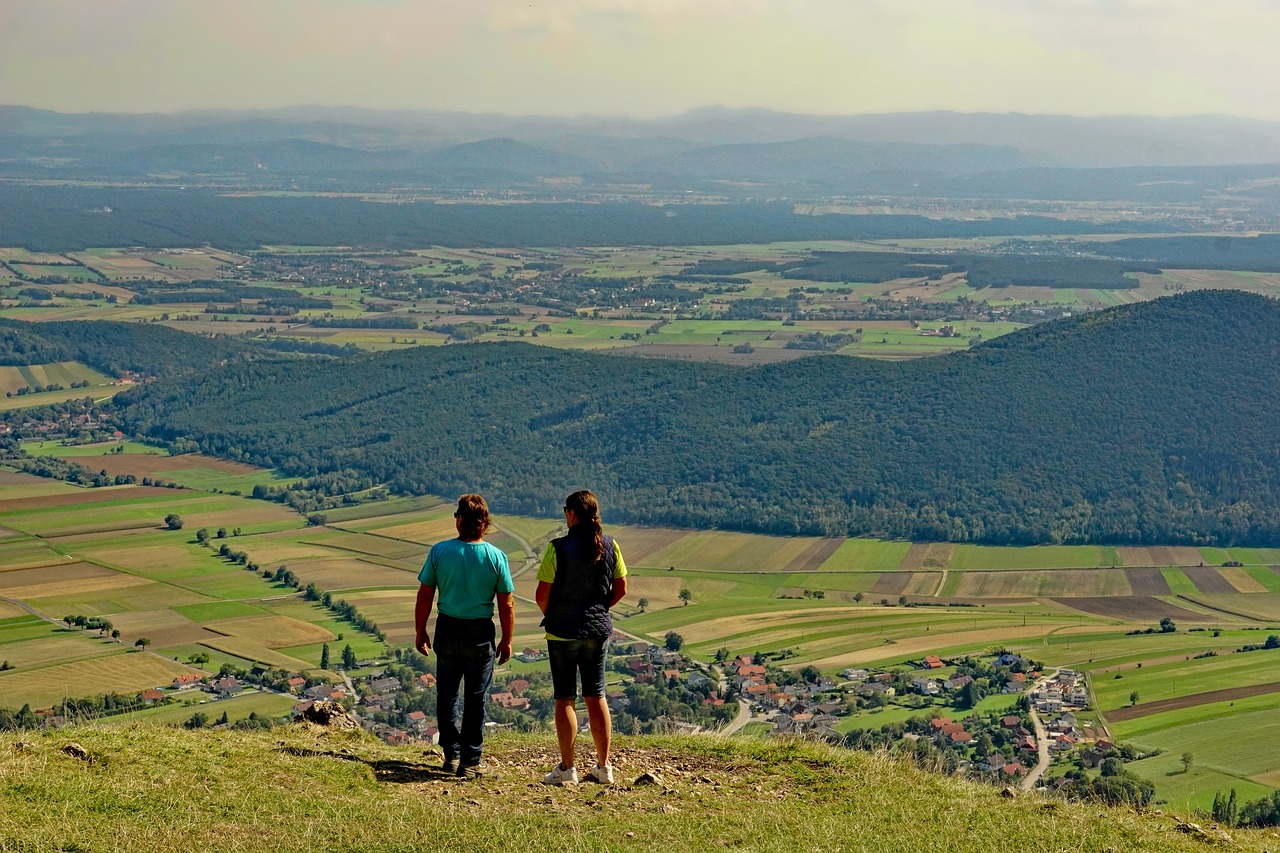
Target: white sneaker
(560, 776)
(603, 775)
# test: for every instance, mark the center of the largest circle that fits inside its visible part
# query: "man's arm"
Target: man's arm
(421, 611)
(543, 596)
(507, 618)
(619, 590)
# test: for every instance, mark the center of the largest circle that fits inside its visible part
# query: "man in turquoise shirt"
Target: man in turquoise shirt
(470, 575)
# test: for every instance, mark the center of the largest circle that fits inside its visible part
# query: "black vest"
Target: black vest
(578, 608)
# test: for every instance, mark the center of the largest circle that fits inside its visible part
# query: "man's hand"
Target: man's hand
(504, 651)
(423, 644)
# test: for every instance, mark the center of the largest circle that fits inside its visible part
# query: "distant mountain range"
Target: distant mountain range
(735, 152)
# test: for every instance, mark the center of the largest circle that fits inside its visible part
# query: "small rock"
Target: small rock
(21, 746)
(75, 750)
(1008, 793)
(631, 835)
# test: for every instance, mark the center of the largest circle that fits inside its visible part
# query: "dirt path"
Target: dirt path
(1042, 739)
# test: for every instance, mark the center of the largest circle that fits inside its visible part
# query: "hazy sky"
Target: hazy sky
(646, 58)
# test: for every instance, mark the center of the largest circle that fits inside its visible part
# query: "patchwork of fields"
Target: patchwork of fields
(831, 603)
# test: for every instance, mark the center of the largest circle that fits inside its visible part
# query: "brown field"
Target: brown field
(274, 632)
(1146, 709)
(1271, 779)
(270, 549)
(933, 555)
(148, 622)
(814, 556)
(892, 583)
(919, 645)
(340, 573)
(249, 650)
(1132, 608)
(8, 611)
(140, 594)
(122, 673)
(1145, 581)
(147, 464)
(70, 578)
(1175, 556)
(640, 543)
(1208, 579)
(1239, 579)
(81, 496)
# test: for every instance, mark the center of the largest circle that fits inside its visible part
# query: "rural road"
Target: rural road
(744, 717)
(1042, 739)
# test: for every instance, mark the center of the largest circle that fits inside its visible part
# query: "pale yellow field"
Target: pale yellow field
(1271, 779)
(141, 558)
(269, 550)
(661, 592)
(162, 627)
(727, 626)
(58, 648)
(126, 673)
(350, 573)
(8, 611)
(1241, 581)
(274, 632)
(249, 650)
(920, 645)
(423, 532)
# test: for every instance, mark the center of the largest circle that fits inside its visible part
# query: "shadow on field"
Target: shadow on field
(384, 770)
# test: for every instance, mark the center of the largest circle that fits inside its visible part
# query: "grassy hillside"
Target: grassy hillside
(289, 789)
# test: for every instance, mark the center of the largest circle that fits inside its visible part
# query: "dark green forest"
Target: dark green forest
(48, 218)
(1149, 423)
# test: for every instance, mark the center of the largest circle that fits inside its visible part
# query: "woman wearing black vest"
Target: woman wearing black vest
(581, 578)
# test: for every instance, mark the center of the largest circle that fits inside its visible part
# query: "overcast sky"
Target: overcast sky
(646, 58)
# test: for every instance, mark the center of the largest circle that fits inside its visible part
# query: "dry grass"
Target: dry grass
(252, 651)
(70, 578)
(274, 632)
(122, 673)
(297, 789)
(932, 642)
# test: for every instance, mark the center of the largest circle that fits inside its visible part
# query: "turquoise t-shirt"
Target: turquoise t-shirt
(467, 576)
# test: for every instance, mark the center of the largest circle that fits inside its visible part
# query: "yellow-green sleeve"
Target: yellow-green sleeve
(619, 567)
(547, 569)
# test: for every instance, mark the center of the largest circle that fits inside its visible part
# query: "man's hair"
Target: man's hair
(473, 515)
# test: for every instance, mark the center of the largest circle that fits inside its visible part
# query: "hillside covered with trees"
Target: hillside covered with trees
(1148, 423)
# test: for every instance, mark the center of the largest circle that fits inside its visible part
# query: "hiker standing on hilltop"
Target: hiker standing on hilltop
(470, 575)
(581, 578)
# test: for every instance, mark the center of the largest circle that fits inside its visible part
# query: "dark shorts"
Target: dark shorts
(571, 658)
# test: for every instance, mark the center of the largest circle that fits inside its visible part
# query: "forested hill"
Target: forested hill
(113, 347)
(1156, 422)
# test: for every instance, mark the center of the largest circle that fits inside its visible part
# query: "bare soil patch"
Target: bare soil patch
(813, 556)
(1164, 555)
(640, 543)
(915, 557)
(1208, 579)
(892, 583)
(86, 496)
(1133, 555)
(1132, 608)
(1147, 581)
(1177, 703)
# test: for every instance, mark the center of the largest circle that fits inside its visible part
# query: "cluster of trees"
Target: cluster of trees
(1264, 811)
(1129, 445)
(344, 610)
(323, 491)
(101, 624)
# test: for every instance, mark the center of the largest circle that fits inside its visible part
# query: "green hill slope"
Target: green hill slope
(289, 789)
(1152, 423)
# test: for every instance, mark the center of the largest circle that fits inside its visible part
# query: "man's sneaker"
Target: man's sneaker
(603, 775)
(560, 776)
(449, 765)
(470, 771)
